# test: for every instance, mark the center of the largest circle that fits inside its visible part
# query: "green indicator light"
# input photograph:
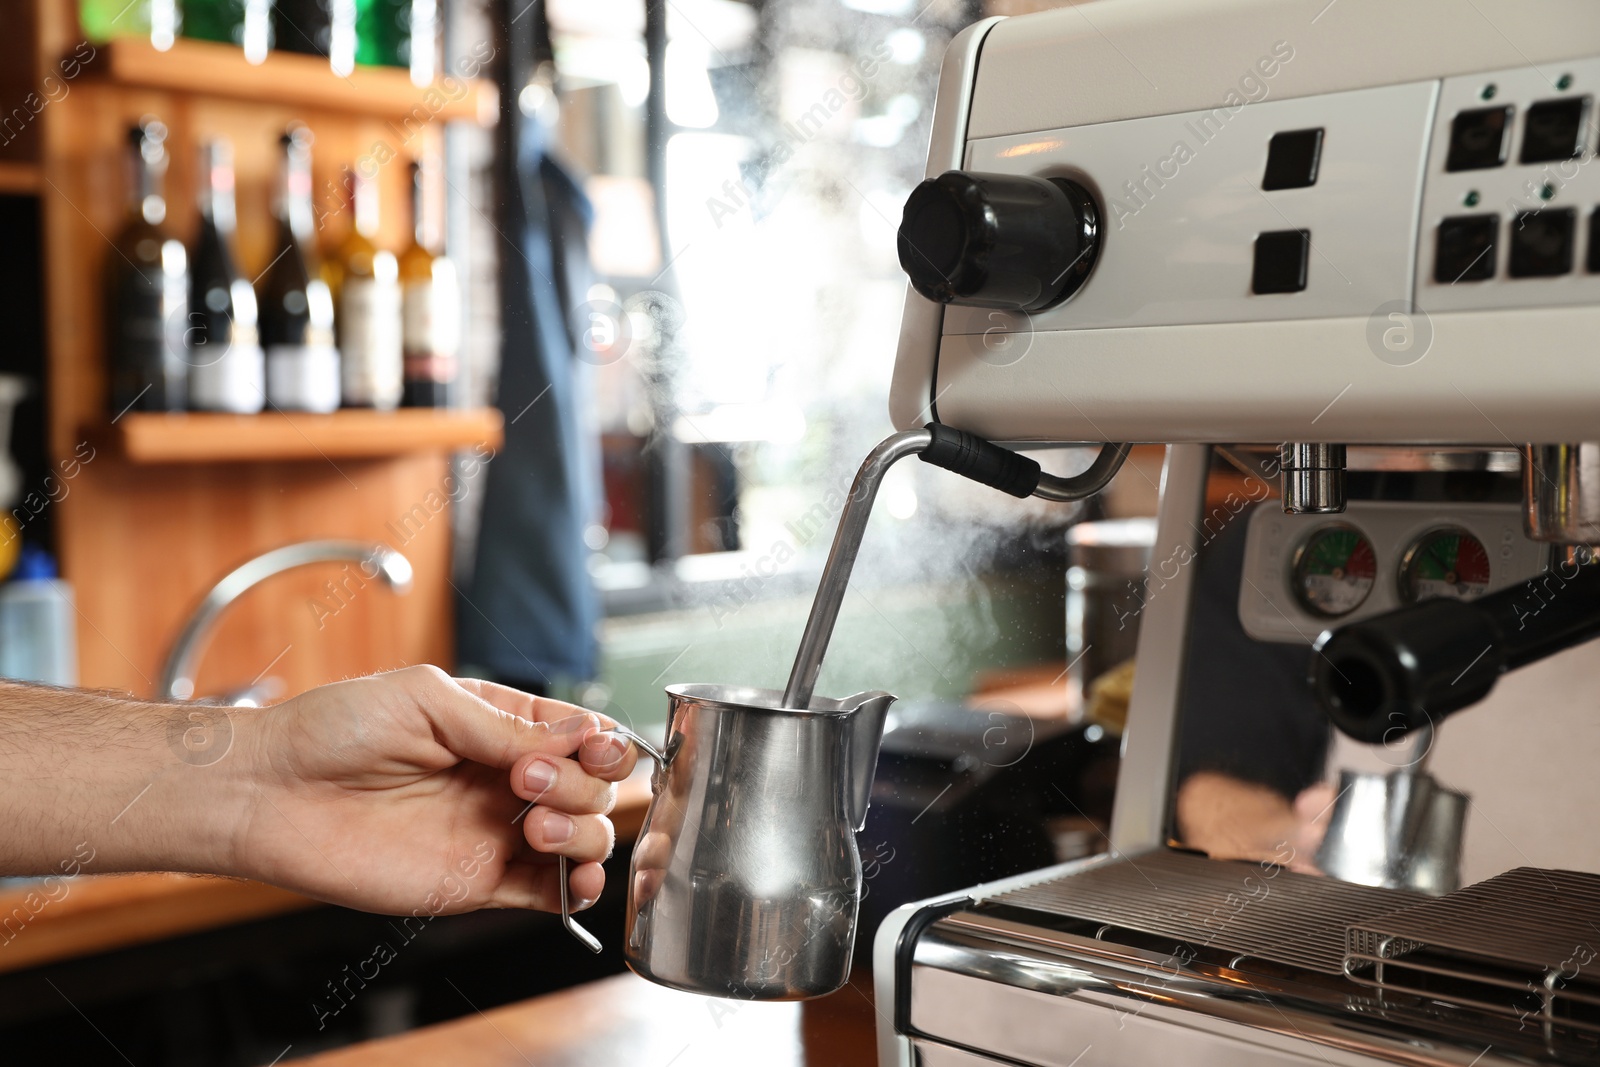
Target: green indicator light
(1564, 82)
(1471, 199)
(1488, 91)
(1546, 191)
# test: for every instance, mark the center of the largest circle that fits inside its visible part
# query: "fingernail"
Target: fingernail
(605, 749)
(539, 777)
(557, 828)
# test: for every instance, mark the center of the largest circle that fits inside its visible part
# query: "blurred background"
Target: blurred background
(539, 339)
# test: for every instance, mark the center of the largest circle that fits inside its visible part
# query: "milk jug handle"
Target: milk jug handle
(585, 938)
(640, 743)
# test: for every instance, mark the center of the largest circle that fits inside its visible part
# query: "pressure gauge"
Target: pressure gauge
(1447, 562)
(1334, 571)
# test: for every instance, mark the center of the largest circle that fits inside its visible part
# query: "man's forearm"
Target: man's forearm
(134, 785)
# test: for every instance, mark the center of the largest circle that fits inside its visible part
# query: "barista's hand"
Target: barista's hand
(389, 794)
(1230, 819)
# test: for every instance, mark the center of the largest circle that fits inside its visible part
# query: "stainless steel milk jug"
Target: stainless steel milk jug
(746, 877)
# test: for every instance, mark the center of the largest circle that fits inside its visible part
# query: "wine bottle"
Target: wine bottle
(246, 23)
(318, 27)
(148, 288)
(366, 284)
(430, 301)
(297, 319)
(226, 365)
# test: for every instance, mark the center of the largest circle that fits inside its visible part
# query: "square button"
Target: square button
(1478, 138)
(1553, 130)
(1465, 250)
(1541, 242)
(1594, 242)
(1292, 159)
(1281, 261)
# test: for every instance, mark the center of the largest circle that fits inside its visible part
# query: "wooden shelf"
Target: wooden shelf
(275, 435)
(20, 178)
(211, 69)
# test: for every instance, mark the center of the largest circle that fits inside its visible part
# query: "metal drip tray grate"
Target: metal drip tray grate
(1244, 909)
(1523, 944)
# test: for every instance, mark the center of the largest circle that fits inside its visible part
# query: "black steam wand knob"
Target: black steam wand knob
(1381, 677)
(1005, 241)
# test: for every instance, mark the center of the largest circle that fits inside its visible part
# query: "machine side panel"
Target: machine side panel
(1139, 817)
(911, 400)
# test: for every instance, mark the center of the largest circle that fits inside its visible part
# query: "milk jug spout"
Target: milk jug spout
(867, 712)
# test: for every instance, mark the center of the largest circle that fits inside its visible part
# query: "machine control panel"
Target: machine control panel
(1190, 213)
(1509, 209)
(1286, 209)
(1305, 573)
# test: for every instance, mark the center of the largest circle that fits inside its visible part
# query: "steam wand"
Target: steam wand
(955, 450)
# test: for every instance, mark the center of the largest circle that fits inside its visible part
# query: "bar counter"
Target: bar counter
(627, 1020)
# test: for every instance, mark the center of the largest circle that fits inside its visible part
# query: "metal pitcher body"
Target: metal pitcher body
(746, 876)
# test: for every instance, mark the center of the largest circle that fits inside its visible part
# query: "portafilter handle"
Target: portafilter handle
(1380, 678)
(585, 938)
(957, 451)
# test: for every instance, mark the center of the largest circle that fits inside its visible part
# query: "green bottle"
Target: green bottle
(399, 33)
(383, 33)
(157, 20)
(246, 23)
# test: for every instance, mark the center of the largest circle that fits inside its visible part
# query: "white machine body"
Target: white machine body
(1165, 111)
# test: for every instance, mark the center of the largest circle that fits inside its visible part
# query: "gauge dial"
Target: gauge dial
(1447, 562)
(1334, 571)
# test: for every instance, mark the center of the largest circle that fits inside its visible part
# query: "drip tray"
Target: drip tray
(1523, 945)
(1255, 910)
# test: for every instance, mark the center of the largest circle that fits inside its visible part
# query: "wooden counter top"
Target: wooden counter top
(100, 913)
(626, 1020)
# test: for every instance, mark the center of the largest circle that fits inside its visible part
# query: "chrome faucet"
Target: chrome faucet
(378, 561)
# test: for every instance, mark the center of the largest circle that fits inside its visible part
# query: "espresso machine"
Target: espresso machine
(1342, 257)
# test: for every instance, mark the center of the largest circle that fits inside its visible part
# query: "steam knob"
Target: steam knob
(1004, 241)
